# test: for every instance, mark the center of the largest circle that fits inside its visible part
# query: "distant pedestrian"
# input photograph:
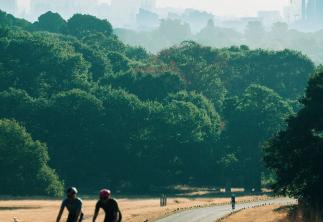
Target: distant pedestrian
(110, 207)
(73, 205)
(233, 202)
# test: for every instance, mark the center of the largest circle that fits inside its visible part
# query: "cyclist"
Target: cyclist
(73, 205)
(110, 207)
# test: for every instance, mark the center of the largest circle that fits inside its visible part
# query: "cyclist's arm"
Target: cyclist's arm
(96, 212)
(117, 217)
(120, 216)
(60, 213)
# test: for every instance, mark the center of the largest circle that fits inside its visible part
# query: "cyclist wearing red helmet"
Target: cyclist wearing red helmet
(110, 207)
(74, 206)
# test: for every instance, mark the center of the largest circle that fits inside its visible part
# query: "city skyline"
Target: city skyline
(238, 8)
(127, 13)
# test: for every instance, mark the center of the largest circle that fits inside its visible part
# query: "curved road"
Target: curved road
(211, 214)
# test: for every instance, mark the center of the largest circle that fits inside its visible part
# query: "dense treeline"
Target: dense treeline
(114, 115)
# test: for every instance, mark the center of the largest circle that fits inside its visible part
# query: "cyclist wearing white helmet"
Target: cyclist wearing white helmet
(73, 205)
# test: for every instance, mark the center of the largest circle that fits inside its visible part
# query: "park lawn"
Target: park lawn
(272, 213)
(134, 210)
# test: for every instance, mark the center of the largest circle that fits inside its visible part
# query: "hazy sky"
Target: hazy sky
(219, 7)
(228, 7)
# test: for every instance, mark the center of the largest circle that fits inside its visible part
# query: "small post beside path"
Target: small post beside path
(163, 200)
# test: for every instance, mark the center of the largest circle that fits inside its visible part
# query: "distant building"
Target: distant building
(235, 24)
(311, 10)
(123, 12)
(173, 16)
(304, 3)
(269, 17)
(314, 11)
(196, 19)
(296, 10)
(147, 20)
(305, 14)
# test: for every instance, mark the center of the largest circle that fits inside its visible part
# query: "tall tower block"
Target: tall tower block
(304, 9)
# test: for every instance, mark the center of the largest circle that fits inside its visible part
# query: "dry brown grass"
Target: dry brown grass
(134, 210)
(273, 213)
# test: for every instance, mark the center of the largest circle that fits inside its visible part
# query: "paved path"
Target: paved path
(211, 214)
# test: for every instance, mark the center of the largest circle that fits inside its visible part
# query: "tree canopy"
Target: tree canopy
(295, 154)
(115, 115)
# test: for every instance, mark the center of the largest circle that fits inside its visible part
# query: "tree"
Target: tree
(75, 129)
(205, 80)
(137, 53)
(118, 61)
(183, 116)
(80, 25)
(24, 164)
(10, 20)
(58, 66)
(286, 72)
(106, 44)
(147, 86)
(188, 127)
(125, 132)
(100, 64)
(295, 154)
(50, 22)
(200, 67)
(252, 119)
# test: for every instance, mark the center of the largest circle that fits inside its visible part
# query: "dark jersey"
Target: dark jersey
(111, 209)
(73, 206)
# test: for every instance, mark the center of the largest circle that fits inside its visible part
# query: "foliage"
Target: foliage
(9, 20)
(115, 115)
(295, 154)
(23, 163)
(51, 22)
(153, 86)
(259, 112)
(80, 25)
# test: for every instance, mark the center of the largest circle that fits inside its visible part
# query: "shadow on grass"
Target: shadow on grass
(294, 214)
(288, 209)
(18, 208)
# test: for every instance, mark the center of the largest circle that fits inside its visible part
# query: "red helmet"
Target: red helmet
(105, 193)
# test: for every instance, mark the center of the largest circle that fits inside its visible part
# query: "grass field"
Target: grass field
(134, 210)
(272, 213)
